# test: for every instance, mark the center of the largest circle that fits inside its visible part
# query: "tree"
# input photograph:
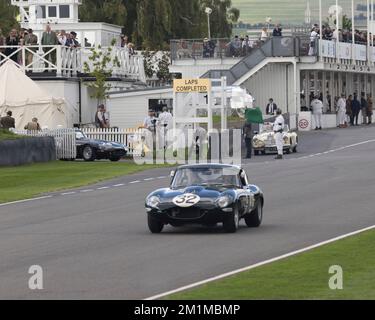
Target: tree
(101, 68)
(8, 15)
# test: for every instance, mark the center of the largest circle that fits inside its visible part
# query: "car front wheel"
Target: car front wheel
(154, 225)
(232, 223)
(88, 154)
(255, 218)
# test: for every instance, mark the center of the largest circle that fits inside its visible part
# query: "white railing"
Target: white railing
(65, 140)
(347, 53)
(128, 137)
(68, 62)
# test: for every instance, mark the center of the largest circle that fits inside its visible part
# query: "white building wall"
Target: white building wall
(273, 81)
(129, 110)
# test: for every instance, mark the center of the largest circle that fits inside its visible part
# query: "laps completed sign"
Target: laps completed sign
(191, 85)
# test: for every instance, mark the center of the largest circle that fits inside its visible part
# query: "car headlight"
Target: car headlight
(224, 201)
(286, 140)
(258, 143)
(153, 202)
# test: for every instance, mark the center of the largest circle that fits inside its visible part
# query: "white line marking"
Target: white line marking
(103, 188)
(133, 182)
(23, 201)
(149, 179)
(162, 177)
(86, 191)
(118, 185)
(68, 193)
(288, 255)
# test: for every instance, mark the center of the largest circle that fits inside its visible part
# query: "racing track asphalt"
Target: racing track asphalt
(96, 245)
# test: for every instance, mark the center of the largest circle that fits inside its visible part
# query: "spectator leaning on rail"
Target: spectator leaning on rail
(12, 41)
(8, 122)
(277, 32)
(30, 40)
(313, 41)
(49, 38)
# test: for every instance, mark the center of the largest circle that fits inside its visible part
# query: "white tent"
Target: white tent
(26, 100)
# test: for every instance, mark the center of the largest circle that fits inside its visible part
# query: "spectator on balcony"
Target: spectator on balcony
(2, 43)
(235, 47)
(49, 40)
(313, 41)
(73, 42)
(247, 45)
(124, 41)
(277, 32)
(208, 48)
(12, 41)
(264, 35)
(62, 37)
(30, 40)
(131, 49)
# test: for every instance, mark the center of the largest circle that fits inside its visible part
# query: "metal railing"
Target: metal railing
(68, 62)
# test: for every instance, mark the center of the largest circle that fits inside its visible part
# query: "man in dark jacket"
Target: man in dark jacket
(277, 32)
(248, 135)
(356, 108)
(364, 107)
(8, 122)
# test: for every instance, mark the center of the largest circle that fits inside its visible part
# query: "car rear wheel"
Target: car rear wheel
(232, 223)
(154, 225)
(88, 154)
(255, 218)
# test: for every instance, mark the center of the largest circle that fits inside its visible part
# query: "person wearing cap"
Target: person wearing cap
(30, 40)
(278, 128)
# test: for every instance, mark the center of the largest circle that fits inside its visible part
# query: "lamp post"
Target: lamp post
(208, 12)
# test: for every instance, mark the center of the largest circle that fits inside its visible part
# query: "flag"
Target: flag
(254, 115)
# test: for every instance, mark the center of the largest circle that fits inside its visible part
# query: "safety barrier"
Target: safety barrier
(65, 140)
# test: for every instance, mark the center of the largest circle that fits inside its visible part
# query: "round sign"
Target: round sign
(186, 200)
(304, 124)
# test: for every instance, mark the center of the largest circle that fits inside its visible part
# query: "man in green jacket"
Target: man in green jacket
(49, 38)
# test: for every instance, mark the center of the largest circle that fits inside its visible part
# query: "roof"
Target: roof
(210, 165)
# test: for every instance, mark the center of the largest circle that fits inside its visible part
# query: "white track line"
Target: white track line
(102, 188)
(118, 185)
(68, 193)
(133, 182)
(23, 201)
(226, 275)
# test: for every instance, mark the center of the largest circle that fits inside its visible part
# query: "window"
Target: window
(52, 12)
(41, 12)
(64, 11)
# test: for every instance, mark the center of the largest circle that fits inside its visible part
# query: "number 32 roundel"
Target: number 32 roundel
(186, 200)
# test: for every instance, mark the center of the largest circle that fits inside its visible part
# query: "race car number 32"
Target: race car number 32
(186, 200)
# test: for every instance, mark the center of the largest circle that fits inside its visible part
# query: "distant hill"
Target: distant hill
(286, 11)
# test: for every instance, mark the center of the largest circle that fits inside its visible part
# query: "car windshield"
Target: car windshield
(268, 127)
(206, 177)
(80, 135)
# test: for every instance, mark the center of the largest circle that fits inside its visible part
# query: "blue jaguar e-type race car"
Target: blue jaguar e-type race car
(206, 194)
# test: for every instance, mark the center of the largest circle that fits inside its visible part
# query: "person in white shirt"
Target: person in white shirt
(62, 38)
(165, 123)
(313, 41)
(150, 121)
(278, 128)
(317, 108)
(341, 110)
(264, 35)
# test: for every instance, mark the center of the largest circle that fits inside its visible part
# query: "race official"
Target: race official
(341, 110)
(317, 108)
(278, 128)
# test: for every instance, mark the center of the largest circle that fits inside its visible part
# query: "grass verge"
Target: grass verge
(24, 182)
(7, 135)
(305, 276)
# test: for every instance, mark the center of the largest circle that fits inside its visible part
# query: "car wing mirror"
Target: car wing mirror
(172, 174)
